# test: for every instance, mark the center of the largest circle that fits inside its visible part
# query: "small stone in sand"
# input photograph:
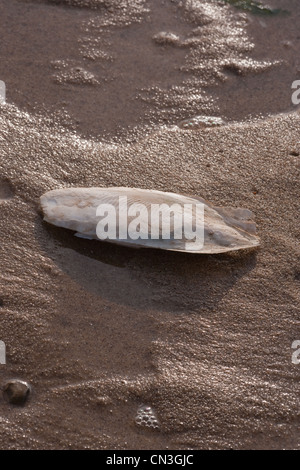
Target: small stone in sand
(16, 392)
(166, 39)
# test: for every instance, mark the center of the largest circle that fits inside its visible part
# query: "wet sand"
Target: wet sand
(99, 330)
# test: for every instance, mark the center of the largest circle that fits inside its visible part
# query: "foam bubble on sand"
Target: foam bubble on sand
(146, 417)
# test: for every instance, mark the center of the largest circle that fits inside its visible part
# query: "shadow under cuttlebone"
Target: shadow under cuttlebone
(6, 189)
(142, 278)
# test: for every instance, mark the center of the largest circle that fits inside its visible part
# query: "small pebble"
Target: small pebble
(16, 392)
(164, 38)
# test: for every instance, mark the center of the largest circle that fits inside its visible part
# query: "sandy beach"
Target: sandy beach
(96, 95)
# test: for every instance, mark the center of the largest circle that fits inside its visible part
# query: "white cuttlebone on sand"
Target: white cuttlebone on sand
(225, 229)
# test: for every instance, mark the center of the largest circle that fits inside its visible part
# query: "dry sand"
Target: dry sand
(99, 330)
